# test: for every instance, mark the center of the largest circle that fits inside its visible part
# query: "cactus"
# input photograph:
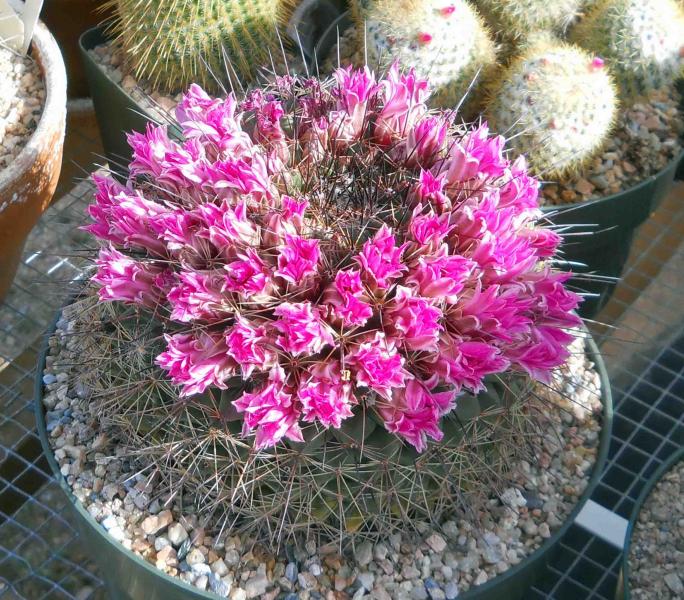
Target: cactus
(173, 44)
(359, 480)
(517, 19)
(559, 102)
(443, 39)
(313, 336)
(641, 40)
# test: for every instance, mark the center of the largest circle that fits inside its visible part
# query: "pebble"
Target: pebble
(451, 590)
(436, 542)
(656, 556)
(177, 534)
(22, 98)
(363, 553)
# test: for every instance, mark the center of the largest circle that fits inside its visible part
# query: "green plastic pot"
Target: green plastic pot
(117, 113)
(623, 592)
(129, 577)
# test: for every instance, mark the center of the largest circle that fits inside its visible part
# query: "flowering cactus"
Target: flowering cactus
(338, 271)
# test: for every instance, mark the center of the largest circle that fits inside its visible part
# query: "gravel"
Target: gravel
(646, 137)
(22, 96)
(444, 560)
(656, 558)
(110, 59)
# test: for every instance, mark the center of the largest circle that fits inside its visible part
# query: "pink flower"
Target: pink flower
(425, 142)
(345, 295)
(519, 189)
(428, 229)
(298, 259)
(325, 397)
(168, 163)
(377, 365)
(404, 103)
(249, 345)
(464, 363)
(226, 226)
(248, 275)
(555, 304)
(272, 411)
(441, 275)
(355, 88)
(198, 296)
(293, 210)
(179, 230)
(123, 216)
(235, 178)
(381, 258)
(127, 280)
(303, 331)
(414, 411)
(413, 320)
(544, 350)
(196, 361)
(213, 122)
(430, 190)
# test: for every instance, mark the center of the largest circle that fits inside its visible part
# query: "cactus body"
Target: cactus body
(445, 40)
(356, 480)
(174, 43)
(642, 41)
(513, 19)
(559, 101)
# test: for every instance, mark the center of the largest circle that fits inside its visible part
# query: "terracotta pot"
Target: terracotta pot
(67, 20)
(27, 185)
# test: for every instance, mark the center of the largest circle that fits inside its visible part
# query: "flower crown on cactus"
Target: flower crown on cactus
(328, 245)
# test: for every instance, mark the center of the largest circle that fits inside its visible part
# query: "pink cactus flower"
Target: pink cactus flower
(302, 329)
(326, 398)
(272, 411)
(248, 276)
(414, 413)
(298, 259)
(346, 297)
(413, 320)
(380, 258)
(196, 361)
(198, 296)
(250, 346)
(124, 279)
(378, 365)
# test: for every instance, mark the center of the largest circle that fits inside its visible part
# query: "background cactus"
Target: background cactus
(514, 19)
(557, 103)
(445, 40)
(641, 40)
(173, 44)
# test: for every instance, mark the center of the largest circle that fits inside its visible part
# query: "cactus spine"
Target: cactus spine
(642, 41)
(445, 40)
(174, 43)
(514, 19)
(559, 102)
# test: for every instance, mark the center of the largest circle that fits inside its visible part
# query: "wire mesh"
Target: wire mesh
(40, 555)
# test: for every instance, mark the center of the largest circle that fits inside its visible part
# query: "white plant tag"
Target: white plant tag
(11, 27)
(28, 11)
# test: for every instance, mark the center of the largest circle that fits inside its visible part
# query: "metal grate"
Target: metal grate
(40, 556)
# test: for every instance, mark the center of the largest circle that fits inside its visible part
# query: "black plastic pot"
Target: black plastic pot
(623, 592)
(129, 577)
(607, 227)
(116, 111)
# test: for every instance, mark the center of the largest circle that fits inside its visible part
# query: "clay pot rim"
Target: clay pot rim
(49, 58)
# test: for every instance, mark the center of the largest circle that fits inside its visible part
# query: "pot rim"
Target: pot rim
(669, 463)
(473, 593)
(48, 56)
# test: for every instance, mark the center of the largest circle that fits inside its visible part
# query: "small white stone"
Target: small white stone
(177, 534)
(436, 542)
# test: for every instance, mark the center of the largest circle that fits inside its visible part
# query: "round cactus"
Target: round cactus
(558, 103)
(513, 19)
(171, 45)
(443, 39)
(642, 41)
